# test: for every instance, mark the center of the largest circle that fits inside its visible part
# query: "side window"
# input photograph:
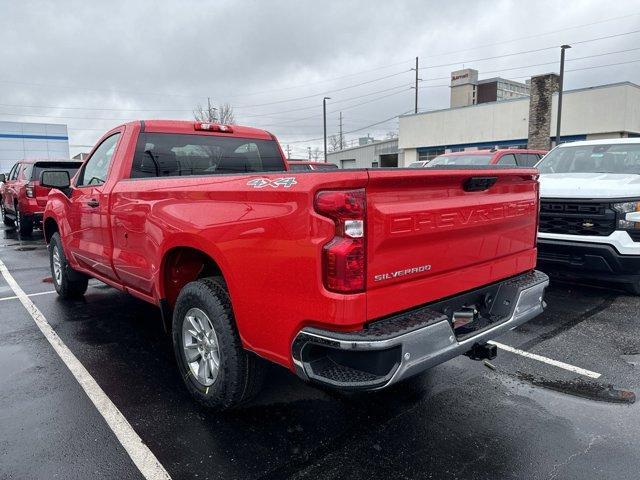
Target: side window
(508, 159)
(13, 174)
(96, 169)
(26, 172)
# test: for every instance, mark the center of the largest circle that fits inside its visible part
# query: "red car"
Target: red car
(353, 279)
(22, 198)
(304, 166)
(507, 156)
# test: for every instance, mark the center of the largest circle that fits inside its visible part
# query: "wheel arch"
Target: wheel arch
(180, 265)
(50, 226)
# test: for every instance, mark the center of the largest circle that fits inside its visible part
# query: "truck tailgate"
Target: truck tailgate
(435, 233)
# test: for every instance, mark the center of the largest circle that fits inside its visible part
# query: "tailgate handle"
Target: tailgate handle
(478, 184)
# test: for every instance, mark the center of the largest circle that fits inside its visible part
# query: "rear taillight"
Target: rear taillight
(343, 258)
(30, 190)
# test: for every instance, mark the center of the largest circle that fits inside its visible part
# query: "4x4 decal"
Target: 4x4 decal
(285, 182)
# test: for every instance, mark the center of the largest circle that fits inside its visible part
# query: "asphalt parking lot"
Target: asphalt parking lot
(524, 415)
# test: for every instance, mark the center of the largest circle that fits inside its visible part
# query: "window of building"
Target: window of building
(429, 153)
(374, 164)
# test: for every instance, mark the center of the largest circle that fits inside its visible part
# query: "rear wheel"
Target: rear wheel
(67, 282)
(7, 221)
(24, 225)
(218, 372)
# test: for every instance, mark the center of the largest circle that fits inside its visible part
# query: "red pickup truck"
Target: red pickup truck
(22, 198)
(351, 279)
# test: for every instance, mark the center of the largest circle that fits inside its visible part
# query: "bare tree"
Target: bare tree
(392, 135)
(208, 113)
(334, 143)
(225, 114)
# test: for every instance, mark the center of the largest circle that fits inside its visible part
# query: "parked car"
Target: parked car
(352, 279)
(303, 166)
(508, 156)
(590, 211)
(420, 164)
(22, 198)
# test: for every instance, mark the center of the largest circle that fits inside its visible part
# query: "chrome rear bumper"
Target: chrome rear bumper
(397, 347)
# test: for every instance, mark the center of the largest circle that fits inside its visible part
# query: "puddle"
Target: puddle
(582, 388)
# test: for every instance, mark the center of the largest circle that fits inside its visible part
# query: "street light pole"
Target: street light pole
(560, 81)
(324, 121)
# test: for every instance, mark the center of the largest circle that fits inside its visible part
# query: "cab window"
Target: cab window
(97, 167)
(508, 159)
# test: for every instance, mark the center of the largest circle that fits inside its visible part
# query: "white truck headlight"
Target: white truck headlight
(628, 215)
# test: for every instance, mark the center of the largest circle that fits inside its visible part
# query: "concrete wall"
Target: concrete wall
(614, 108)
(477, 123)
(33, 141)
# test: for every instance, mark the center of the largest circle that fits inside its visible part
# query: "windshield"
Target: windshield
(471, 159)
(612, 158)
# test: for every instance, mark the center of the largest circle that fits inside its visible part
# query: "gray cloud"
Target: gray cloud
(165, 57)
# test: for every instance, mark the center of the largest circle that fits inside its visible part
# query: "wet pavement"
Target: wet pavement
(514, 418)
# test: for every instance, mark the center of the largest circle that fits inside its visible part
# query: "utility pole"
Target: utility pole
(324, 120)
(209, 110)
(415, 110)
(341, 138)
(561, 81)
(288, 152)
(309, 148)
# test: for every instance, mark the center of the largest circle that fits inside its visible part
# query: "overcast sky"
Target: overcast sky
(93, 65)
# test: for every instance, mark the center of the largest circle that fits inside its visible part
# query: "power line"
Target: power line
(543, 64)
(356, 130)
(526, 51)
(323, 92)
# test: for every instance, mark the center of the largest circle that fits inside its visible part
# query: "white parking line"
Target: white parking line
(140, 454)
(28, 295)
(549, 361)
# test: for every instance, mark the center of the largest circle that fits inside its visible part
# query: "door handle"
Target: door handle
(93, 203)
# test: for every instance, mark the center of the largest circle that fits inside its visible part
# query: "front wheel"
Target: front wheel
(67, 282)
(218, 372)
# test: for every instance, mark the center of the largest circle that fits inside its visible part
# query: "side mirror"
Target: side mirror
(3, 178)
(55, 179)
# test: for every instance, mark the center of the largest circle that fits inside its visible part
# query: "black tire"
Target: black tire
(24, 225)
(7, 221)
(633, 288)
(69, 283)
(240, 373)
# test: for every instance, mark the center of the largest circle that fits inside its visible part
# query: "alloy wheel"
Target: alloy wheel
(200, 346)
(57, 265)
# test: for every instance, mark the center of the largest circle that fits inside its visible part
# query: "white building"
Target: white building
(381, 154)
(607, 111)
(32, 140)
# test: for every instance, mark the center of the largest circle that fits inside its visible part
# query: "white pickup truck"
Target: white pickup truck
(590, 211)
